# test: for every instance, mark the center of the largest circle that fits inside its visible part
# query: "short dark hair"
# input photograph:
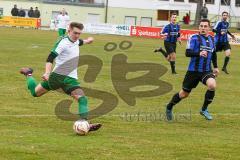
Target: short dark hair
(206, 20)
(77, 25)
(224, 12)
(173, 14)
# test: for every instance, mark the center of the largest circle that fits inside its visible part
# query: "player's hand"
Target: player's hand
(45, 76)
(204, 54)
(216, 72)
(234, 38)
(222, 33)
(168, 58)
(165, 35)
(90, 40)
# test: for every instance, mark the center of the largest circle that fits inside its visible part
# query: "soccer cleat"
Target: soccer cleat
(95, 127)
(169, 114)
(225, 70)
(26, 71)
(206, 114)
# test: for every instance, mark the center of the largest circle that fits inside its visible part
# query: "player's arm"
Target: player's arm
(228, 32)
(49, 62)
(214, 59)
(164, 31)
(89, 40)
(58, 49)
(215, 65)
(216, 28)
(48, 66)
(191, 51)
(179, 36)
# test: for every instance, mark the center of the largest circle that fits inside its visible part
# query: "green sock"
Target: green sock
(31, 83)
(83, 107)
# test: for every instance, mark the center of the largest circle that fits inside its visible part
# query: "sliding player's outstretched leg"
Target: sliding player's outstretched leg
(211, 84)
(35, 89)
(79, 95)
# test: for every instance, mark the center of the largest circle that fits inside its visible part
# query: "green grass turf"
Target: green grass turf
(44, 136)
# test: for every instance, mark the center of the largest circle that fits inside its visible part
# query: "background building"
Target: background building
(133, 12)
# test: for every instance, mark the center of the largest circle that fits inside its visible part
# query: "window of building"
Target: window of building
(130, 20)
(146, 21)
(193, 1)
(226, 2)
(237, 3)
(163, 15)
(210, 1)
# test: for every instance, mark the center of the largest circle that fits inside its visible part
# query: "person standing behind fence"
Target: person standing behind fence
(37, 13)
(63, 21)
(21, 13)
(31, 12)
(14, 11)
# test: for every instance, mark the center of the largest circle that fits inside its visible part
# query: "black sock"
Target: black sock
(172, 63)
(163, 52)
(208, 99)
(226, 62)
(175, 99)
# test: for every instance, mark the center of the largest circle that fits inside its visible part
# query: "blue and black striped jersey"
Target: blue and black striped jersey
(195, 45)
(173, 31)
(221, 26)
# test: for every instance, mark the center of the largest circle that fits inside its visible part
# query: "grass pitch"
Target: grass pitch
(29, 128)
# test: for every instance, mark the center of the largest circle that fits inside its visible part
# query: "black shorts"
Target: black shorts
(192, 79)
(170, 47)
(220, 46)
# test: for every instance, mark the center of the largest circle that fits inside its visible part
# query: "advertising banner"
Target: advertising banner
(154, 32)
(20, 21)
(107, 29)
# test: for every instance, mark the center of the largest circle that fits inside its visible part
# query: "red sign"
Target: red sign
(154, 32)
(148, 32)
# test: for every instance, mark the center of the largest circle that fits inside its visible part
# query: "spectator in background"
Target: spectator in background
(37, 13)
(21, 13)
(204, 12)
(31, 12)
(14, 11)
(186, 19)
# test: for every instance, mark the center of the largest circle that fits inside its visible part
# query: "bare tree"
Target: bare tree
(198, 16)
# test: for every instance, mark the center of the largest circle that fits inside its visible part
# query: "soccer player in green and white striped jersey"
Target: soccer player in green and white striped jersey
(64, 75)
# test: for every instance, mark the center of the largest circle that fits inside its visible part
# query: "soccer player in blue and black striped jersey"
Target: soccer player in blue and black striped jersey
(201, 50)
(171, 33)
(221, 39)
